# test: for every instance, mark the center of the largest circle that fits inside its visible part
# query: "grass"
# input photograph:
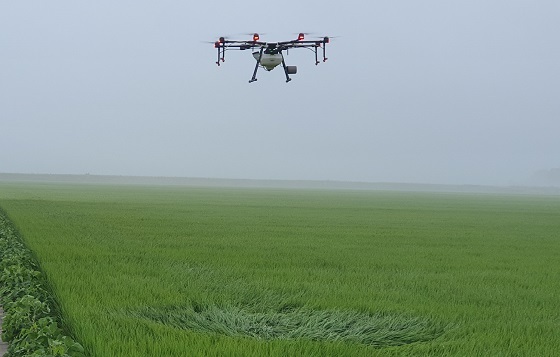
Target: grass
(143, 271)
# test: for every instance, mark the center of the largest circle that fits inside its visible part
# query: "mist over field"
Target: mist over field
(462, 93)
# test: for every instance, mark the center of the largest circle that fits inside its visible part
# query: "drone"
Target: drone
(269, 54)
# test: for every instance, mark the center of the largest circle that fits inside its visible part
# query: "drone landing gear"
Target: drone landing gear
(221, 50)
(286, 70)
(324, 51)
(254, 78)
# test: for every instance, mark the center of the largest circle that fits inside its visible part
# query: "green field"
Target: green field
(187, 271)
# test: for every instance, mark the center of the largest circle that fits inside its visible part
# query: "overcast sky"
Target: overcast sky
(461, 92)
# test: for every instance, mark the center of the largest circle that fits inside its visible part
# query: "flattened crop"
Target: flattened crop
(377, 330)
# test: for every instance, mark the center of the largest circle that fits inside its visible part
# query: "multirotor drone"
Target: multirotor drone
(269, 54)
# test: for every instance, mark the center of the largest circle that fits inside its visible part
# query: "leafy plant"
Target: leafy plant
(29, 324)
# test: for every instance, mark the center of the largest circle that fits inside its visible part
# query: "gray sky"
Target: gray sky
(461, 92)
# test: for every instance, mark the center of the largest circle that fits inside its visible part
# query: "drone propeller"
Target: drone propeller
(301, 35)
(220, 39)
(256, 36)
(328, 38)
(250, 33)
(324, 40)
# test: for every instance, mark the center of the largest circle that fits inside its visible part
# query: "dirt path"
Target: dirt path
(3, 345)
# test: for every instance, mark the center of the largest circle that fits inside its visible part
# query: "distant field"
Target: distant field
(187, 271)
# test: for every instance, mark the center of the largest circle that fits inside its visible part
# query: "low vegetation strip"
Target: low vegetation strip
(30, 325)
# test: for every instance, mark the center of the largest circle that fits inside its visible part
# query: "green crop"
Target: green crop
(177, 271)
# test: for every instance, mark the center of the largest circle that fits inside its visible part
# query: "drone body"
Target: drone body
(268, 61)
(269, 54)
